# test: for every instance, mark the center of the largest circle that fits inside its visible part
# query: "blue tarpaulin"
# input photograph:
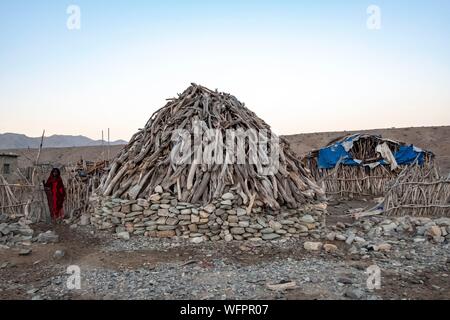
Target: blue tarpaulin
(330, 156)
(409, 154)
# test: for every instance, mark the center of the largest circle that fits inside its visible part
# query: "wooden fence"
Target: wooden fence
(419, 192)
(30, 200)
(354, 181)
(23, 199)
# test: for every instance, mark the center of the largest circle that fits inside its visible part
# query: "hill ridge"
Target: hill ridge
(9, 140)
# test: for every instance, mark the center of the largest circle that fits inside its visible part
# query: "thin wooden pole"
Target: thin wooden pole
(103, 147)
(33, 176)
(109, 147)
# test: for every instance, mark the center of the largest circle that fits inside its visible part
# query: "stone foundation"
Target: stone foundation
(163, 216)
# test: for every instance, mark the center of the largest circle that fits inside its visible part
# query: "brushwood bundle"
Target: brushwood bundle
(204, 144)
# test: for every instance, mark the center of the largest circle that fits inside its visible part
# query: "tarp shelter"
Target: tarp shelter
(362, 164)
(340, 152)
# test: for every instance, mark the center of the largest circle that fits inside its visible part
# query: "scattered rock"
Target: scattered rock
(434, 231)
(350, 239)
(282, 286)
(244, 248)
(331, 236)
(33, 291)
(359, 240)
(341, 237)
(345, 280)
(25, 252)
(328, 247)
(84, 220)
(354, 294)
(389, 227)
(124, 235)
(48, 237)
(59, 254)
(312, 246)
(25, 231)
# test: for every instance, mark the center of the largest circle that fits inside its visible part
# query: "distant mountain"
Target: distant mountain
(21, 141)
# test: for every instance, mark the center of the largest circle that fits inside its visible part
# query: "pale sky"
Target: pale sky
(299, 65)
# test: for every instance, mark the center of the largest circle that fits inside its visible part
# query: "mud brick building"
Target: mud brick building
(8, 165)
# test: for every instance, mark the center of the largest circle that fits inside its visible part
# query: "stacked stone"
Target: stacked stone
(13, 232)
(161, 215)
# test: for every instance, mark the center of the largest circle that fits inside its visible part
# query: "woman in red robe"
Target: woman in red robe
(56, 194)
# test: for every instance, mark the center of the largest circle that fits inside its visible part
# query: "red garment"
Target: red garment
(58, 194)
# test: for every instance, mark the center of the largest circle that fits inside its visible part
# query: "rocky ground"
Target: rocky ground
(413, 256)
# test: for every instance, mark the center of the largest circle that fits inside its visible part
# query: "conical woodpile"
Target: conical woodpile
(169, 152)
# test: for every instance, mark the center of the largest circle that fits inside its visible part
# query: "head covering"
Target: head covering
(56, 194)
(57, 171)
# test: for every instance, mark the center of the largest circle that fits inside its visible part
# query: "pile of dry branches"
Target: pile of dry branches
(81, 180)
(146, 161)
(419, 191)
(78, 192)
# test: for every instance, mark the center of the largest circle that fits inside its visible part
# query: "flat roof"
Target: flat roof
(14, 155)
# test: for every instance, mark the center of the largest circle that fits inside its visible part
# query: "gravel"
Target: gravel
(197, 269)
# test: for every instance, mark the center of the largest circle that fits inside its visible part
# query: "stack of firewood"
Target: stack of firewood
(148, 159)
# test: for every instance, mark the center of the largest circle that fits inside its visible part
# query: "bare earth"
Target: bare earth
(435, 139)
(144, 268)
